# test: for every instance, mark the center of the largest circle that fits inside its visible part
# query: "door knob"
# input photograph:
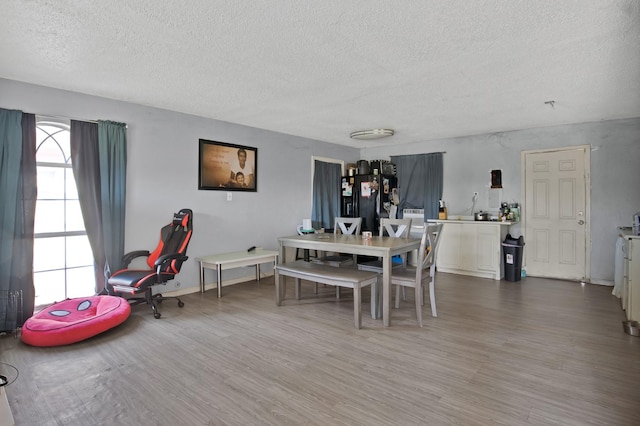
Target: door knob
(581, 222)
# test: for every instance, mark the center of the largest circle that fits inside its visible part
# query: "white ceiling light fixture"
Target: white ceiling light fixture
(372, 134)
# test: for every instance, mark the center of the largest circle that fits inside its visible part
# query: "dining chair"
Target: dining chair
(306, 253)
(424, 272)
(346, 226)
(396, 228)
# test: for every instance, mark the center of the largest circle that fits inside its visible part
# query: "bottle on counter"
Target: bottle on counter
(503, 214)
(515, 209)
(442, 210)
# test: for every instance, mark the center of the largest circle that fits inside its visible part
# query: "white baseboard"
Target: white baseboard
(210, 286)
(602, 282)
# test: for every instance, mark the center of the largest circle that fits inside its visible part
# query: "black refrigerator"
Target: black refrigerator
(369, 197)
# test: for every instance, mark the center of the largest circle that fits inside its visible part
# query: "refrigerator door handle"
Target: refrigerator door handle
(356, 202)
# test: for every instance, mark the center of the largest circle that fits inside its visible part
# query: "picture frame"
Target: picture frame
(221, 167)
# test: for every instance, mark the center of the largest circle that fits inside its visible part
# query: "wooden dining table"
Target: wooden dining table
(382, 247)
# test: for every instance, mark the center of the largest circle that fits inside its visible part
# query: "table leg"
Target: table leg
(281, 288)
(257, 272)
(357, 306)
(278, 289)
(219, 271)
(376, 299)
(201, 278)
(386, 290)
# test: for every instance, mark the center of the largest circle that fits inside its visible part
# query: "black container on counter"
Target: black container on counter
(363, 167)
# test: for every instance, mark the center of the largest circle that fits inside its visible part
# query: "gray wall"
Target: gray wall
(162, 174)
(615, 173)
(163, 155)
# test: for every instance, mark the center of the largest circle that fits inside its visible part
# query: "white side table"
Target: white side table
(235, 260)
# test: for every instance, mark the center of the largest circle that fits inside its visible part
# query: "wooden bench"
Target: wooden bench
(324, 274)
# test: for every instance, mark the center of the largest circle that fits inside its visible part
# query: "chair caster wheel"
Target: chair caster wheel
(180, 304)
(157, 315)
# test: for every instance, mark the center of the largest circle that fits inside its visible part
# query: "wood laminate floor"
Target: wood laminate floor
(534, 352)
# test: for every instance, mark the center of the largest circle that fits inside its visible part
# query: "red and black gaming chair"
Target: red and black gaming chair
(165, 262)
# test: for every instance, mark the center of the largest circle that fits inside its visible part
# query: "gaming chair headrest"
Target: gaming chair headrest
(181, 218)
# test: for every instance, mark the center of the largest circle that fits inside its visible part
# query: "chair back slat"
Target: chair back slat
(398, 228)
(430, 241)
(347, 225)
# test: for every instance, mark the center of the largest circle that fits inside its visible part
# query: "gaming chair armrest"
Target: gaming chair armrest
(127, 258)
(165, 259)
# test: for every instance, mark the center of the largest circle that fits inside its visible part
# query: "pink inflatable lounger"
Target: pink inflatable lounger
(74, 320)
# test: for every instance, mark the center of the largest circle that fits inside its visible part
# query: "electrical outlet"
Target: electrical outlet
(229, 196)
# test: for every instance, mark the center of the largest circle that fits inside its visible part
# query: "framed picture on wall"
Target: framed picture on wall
(227, 167)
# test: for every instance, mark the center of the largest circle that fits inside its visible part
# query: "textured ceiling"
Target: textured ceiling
(321, 69)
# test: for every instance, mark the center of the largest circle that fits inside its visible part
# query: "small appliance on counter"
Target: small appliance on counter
(363, 167)
(509, 212)
(305, 228)
(481, 216)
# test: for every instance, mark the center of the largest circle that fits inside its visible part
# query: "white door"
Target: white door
(556, 213)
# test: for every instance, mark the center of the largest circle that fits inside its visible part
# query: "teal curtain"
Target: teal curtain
(326, 194)
(86, 170)
(112, 147)
(17, 213)
(420, 182)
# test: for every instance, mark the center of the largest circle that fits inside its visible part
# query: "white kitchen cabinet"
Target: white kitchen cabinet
(631, 287)
(448, 256)
(472, 248)
(487, 257)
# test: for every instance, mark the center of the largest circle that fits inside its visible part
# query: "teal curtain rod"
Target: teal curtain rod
(59, 117)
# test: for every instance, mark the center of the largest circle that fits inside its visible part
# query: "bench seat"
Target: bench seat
(324, 274)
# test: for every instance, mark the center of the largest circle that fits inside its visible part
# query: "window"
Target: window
(62, 259)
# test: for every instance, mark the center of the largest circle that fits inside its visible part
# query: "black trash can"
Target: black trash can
(512, 249)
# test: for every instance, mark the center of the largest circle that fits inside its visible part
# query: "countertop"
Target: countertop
(473, 222)
(629, 232)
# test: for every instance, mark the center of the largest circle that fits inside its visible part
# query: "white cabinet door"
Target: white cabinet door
(625, 280)
(468, 247)
(488, 251)
(449, 247)
(633, 302)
